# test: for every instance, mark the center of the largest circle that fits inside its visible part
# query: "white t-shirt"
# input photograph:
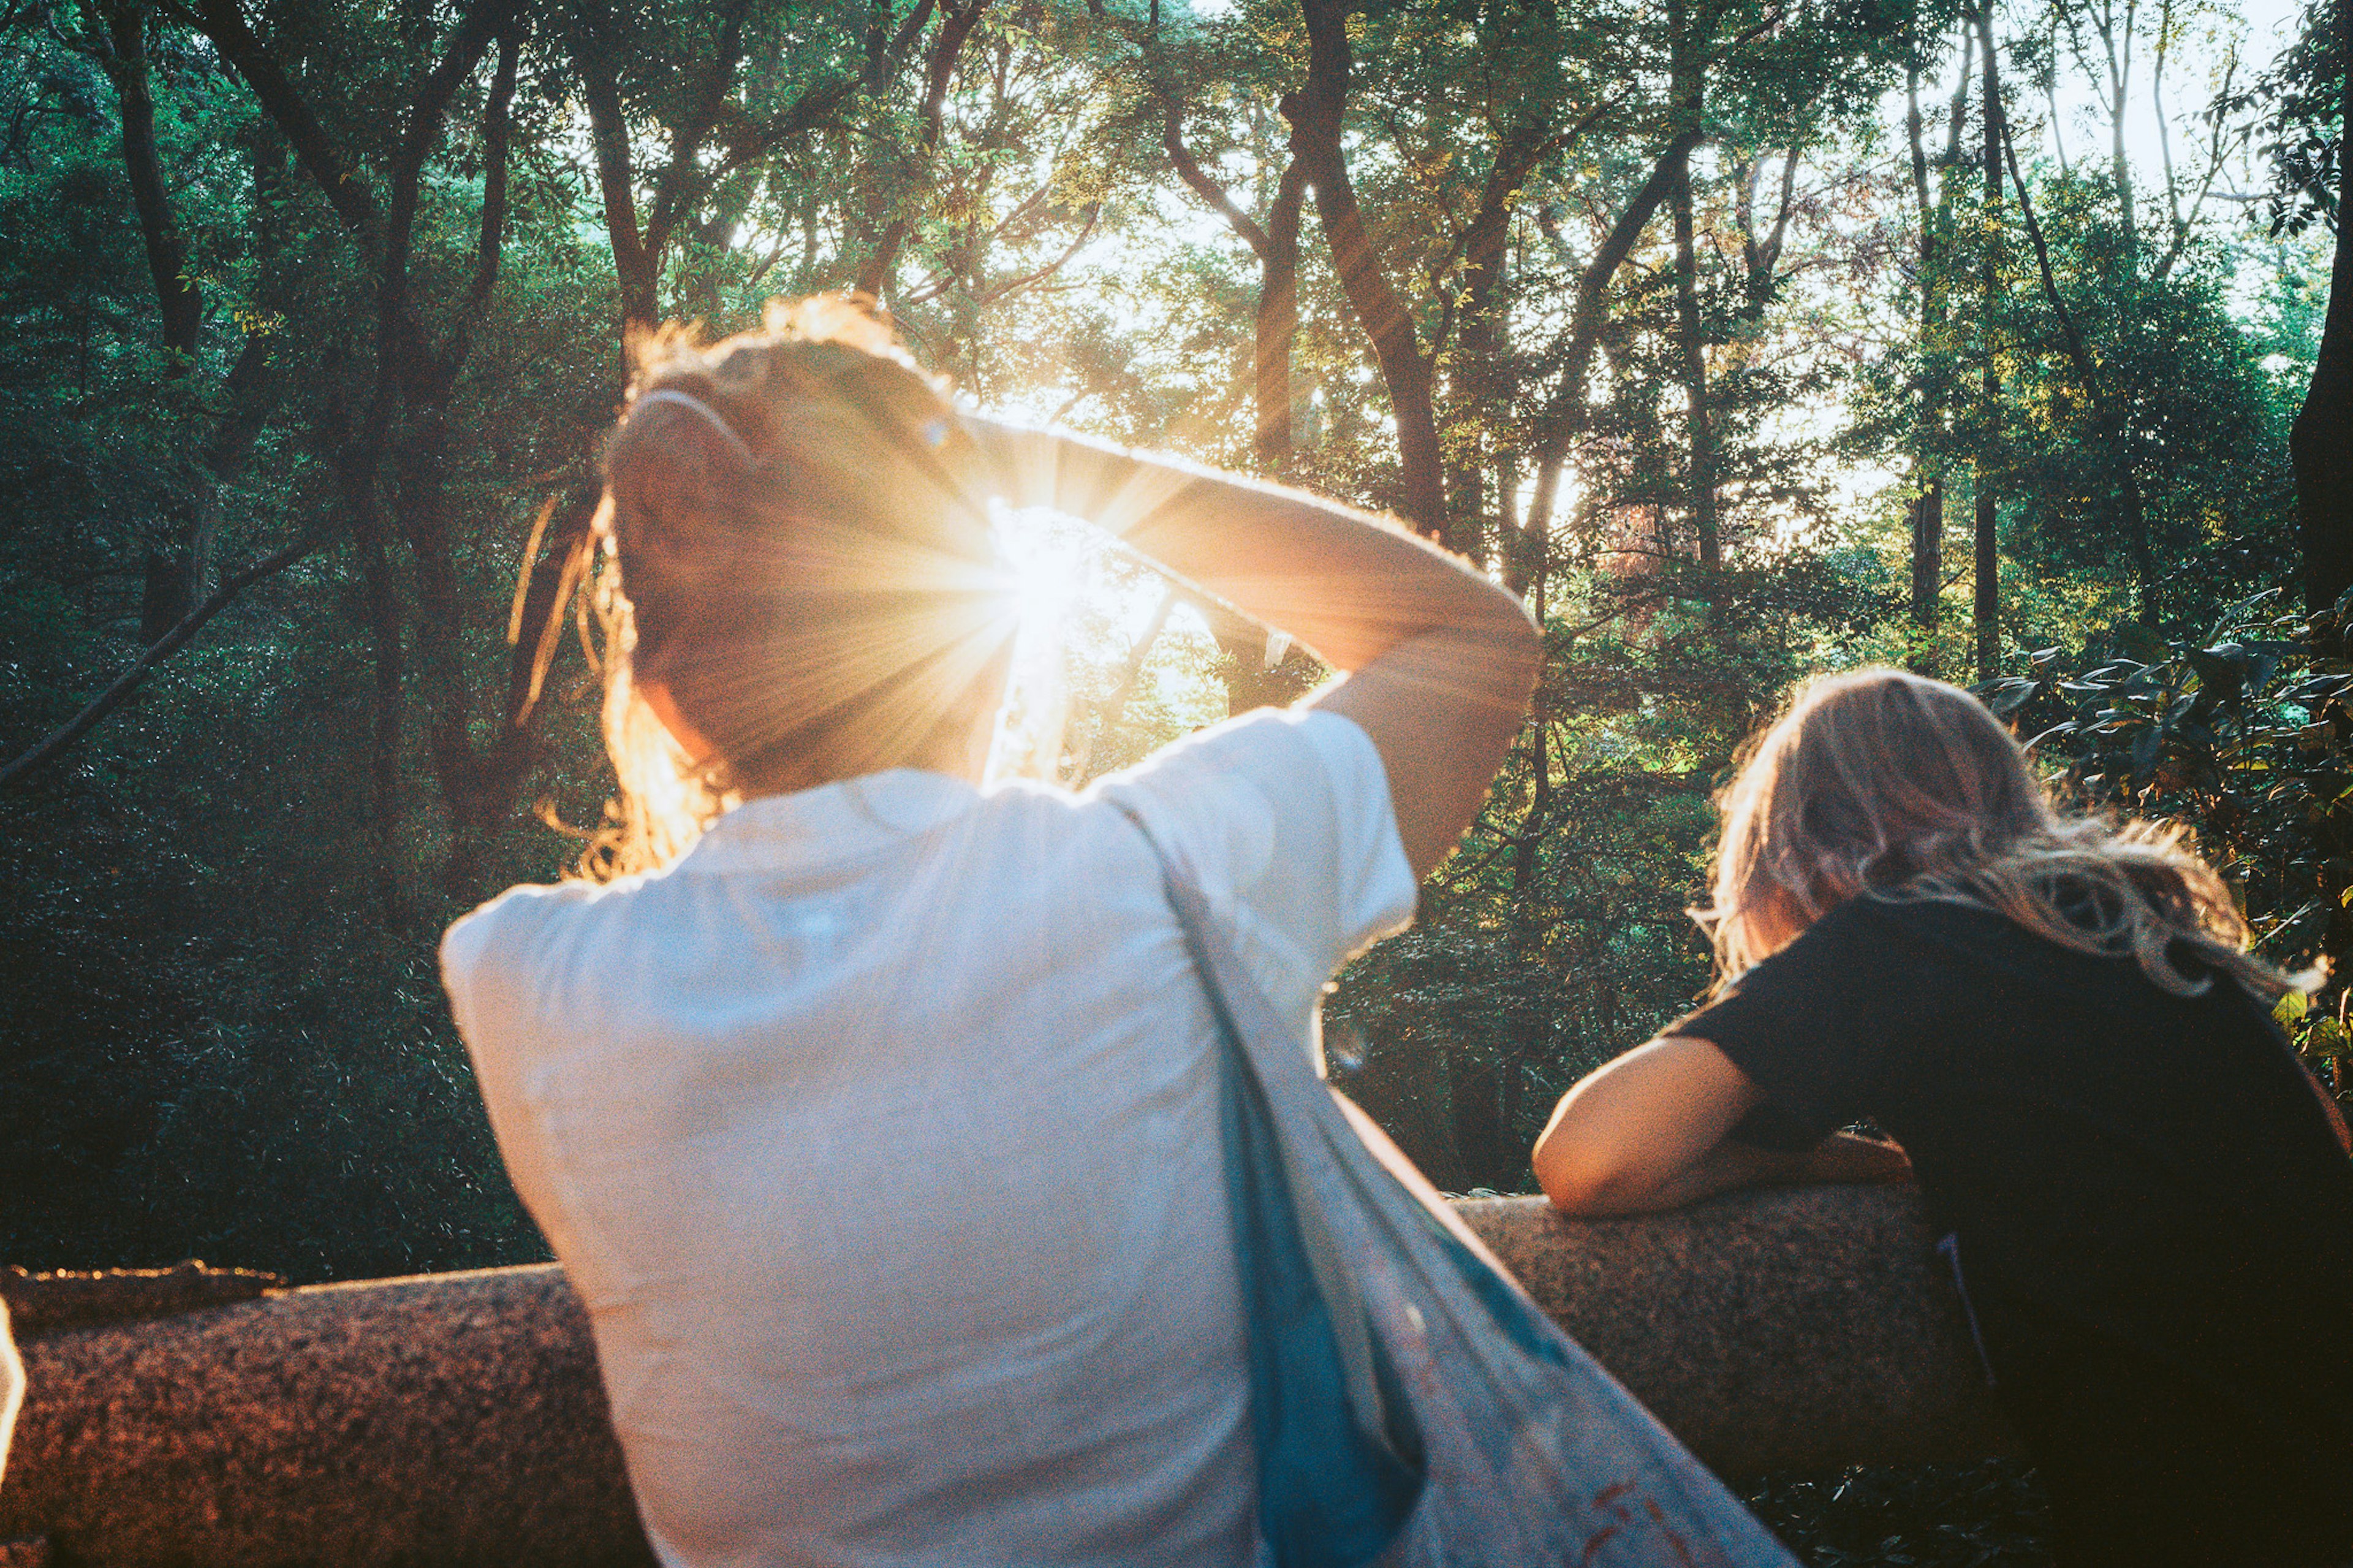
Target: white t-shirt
(879, 1136)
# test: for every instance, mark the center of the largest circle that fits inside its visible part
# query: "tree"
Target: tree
(2322, 443)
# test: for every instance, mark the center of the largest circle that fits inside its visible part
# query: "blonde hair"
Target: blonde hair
(1884, 783)
(796, 548)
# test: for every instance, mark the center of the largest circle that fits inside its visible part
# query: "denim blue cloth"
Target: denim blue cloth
(1412, 1407)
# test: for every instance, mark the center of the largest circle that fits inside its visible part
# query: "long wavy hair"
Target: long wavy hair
(794, 546)
(1887, 783)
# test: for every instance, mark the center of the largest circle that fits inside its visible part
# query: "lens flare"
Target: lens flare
(1048, 564)
(1047, 569)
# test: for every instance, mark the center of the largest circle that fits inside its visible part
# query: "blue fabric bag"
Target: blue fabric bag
(1412, 1407)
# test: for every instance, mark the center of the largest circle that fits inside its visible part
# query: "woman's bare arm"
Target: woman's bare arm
(1439, 660)
(1650, 1132)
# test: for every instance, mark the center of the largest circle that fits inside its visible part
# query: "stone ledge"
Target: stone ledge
(457, 1419)
(42, 1304)
(1799, 1328)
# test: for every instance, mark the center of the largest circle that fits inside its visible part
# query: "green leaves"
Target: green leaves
(2244, 735)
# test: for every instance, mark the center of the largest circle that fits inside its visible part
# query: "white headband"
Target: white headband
(685, 400)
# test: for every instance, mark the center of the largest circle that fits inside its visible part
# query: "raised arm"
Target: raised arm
(1651, 1130)
(1439, 660)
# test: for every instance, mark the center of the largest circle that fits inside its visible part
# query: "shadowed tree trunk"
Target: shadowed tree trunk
(1685, 87)
(1480, 383)
(406, 419)
(2107, 412)
(176, 563)
(1275, 326)
(123, 54)
(1242, 645)
(2321, 444)
(1927, 510)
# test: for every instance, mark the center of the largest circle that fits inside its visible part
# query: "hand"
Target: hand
(1843, 1157)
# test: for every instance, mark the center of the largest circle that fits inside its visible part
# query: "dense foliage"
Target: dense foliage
(1746, 337)
(1672, 317)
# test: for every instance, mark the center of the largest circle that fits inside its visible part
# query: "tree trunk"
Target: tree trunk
(1927, 514)
(1568, 413)
(593, 45)
(2321, 445)
(167, 250)
(174, 568)
(1315, 114)
(2107, 414)
(1277, 325)
(1685, 85)
(1479, 393)
(1276, 245)
(1702, 460)
(1927, 521)
(875, 274)
(178, 577)
(1241, 642)
(1988, 586)
(691, 171)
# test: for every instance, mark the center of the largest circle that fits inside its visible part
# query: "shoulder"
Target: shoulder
(1838, 966)
(1865, 924)
(1281, 818)
(1293, 775)
(1252, 742)
(503, 935)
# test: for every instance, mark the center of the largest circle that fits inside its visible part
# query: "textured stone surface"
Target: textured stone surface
(450, 1419)
(1786, 1330)
(457, 1419)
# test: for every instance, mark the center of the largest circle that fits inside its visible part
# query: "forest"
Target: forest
(1743, 338)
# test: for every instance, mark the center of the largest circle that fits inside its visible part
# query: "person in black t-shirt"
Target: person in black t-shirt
(2144, 1199)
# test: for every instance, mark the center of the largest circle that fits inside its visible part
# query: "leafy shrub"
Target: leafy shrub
(2244, 736)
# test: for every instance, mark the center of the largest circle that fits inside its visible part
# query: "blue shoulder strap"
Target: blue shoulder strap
(1332, 1494)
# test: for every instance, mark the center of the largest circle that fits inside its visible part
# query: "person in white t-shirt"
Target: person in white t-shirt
(873, 1113)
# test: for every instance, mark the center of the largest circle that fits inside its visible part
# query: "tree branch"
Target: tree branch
(1172, 141)
(1094, 213)
(170, 643)
(956, 24)
(809, 111)
(677, 186)
(337, 179)
(1316, 113)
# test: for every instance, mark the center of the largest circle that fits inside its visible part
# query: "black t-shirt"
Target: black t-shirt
(2147, 1204)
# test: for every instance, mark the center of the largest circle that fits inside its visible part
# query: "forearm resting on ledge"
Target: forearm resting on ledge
(1653, 1130)
(1841, 1157)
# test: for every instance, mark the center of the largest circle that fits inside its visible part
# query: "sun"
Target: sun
(1048, 564)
